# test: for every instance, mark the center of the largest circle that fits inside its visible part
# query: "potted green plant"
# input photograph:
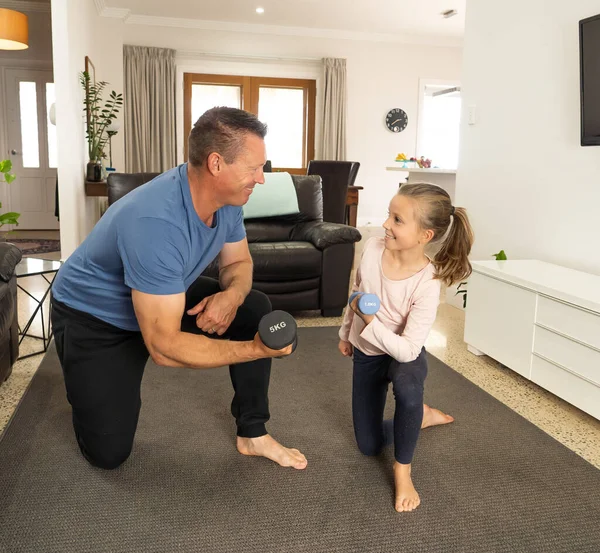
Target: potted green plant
(462, 289)
(454, 292)
(10, 218)
(100, 114)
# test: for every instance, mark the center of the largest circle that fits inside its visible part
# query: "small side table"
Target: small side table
(96, 188)
(352, 204)
(32, 266)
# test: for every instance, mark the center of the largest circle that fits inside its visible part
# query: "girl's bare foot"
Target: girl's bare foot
(407, 498)
(433, 417)
(266, 446)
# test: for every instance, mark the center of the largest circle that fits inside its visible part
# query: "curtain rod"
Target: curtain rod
(195, 54)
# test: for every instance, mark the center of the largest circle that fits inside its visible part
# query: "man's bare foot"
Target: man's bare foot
(266, 446)
(433, 417)
(407, 498)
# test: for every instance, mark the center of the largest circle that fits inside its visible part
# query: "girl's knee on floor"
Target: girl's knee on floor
(369, 446)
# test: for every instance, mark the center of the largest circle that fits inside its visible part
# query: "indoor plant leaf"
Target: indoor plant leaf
(10, 218)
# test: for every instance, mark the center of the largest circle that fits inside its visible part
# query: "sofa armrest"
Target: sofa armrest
(10, 256)
(323, 235)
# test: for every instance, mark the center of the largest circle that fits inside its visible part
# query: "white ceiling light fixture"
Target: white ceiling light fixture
(260, 10)
(449, 13)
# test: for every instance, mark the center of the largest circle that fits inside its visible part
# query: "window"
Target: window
(29, 124)
(439, 124)
(206, 96)
(287, 106)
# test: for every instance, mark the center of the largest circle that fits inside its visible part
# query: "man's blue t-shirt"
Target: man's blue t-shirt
(151, 240)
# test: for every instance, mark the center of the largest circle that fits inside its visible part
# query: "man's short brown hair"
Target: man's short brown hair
(222, 130)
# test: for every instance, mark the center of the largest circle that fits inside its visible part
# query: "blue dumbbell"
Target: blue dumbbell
(367, 303)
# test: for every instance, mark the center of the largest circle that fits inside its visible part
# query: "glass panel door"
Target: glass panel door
(282, 109)
(29, 125)
(207, 96)
(32, 148)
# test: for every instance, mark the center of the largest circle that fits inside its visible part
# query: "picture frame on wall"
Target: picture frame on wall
(91, 71)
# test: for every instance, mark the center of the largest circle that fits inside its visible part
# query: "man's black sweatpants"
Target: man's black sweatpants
(103, 368)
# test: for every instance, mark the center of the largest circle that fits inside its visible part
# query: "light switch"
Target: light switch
(472, 115)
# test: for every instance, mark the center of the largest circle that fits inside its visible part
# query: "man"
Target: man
(133, 289)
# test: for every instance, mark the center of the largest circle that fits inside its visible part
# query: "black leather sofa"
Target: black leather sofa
(300, 262)
(10, 256)
(337, 176)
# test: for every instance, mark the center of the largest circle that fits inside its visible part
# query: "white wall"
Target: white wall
(79, 31)
(528, 185)
(380, 76)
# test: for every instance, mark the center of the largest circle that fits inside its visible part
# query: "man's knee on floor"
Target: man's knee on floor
(107, 460)
(106, 453)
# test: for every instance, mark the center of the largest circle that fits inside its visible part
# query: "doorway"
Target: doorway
(31, 148)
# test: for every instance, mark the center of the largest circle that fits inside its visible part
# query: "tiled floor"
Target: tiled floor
(12, 390)
(565, 423)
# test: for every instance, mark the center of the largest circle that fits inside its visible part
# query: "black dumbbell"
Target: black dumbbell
(278, 330)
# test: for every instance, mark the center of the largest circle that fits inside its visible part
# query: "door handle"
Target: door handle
(15, 153)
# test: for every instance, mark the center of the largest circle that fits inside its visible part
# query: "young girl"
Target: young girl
(388, 346)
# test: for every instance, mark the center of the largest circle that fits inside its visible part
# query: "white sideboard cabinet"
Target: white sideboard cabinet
(542, 321)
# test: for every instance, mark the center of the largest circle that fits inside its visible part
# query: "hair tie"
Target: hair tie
(452, 210)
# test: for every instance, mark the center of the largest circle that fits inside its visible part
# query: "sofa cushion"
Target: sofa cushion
(285, 261)
(265, 230)
(119, 184)
(292, 301)
(280, 262)
(310, 198)
(277, 196)
(289, 287)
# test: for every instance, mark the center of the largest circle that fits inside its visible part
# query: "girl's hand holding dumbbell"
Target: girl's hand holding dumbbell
(366, 318)
(355, 306)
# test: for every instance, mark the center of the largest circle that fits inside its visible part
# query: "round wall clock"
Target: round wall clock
(396, 120)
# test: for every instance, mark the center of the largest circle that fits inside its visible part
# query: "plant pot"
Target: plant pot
(456, 297)
(94, 171)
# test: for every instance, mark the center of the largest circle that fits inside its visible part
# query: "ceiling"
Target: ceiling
(415, 17)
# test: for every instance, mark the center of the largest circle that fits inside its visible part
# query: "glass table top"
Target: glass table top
(29, 266)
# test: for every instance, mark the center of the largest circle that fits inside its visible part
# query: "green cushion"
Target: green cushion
(277, 196)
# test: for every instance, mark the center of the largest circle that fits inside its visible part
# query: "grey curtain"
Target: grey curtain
(149, 91)
(333, 131)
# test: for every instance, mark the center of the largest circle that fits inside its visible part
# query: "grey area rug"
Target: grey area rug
(490, 482)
